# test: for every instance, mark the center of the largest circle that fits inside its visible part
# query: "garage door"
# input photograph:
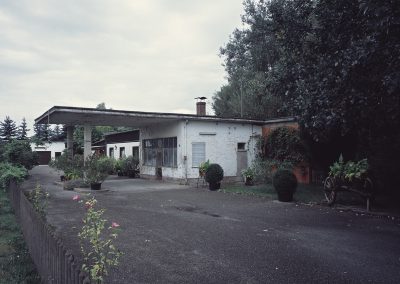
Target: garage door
(44, 157)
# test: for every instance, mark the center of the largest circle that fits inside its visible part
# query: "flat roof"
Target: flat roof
(99, 117)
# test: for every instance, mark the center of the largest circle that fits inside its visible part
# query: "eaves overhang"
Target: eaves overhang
(72, 116)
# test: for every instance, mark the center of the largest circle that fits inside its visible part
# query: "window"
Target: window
(135, 152)
(168, 148)
(169, 152)
(149, 152)
(198, 153)
(111, 152)
(241, 146)
(122, 152)
(57, 154)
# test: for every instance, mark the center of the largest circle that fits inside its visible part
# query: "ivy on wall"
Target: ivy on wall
(285, 145)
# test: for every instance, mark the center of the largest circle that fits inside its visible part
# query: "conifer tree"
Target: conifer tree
(23, 130)
(42, 132)
(8, 129)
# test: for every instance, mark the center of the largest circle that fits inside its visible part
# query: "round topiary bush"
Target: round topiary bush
(214, 175)
(285, 184)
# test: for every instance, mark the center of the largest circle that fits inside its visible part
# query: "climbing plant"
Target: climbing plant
(285, 145)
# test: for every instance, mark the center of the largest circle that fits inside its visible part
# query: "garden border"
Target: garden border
(54, 262)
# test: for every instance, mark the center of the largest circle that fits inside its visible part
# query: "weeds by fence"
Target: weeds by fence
(53, 260)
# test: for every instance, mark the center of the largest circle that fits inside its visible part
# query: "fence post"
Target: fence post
(82, 277)
(70, 273)
(75, 275)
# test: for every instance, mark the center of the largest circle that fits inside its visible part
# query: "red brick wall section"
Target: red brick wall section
(302, 173)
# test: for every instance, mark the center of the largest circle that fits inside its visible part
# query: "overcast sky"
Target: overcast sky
(153, 55)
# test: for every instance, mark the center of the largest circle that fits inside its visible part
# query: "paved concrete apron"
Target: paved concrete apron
(175, 234)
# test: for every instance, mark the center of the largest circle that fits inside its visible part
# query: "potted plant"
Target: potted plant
(248, 175)
(285, 184)
(203, 168)
(97, 168)
(119, 167)
(213, 176)
(130, 166)
(72, 168)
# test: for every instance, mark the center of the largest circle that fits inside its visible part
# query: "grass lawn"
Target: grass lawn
(304, 193)
(16, 265)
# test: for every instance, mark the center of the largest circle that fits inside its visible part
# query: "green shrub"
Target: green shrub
(97, 168)
(264, 169)
(285, 144)
(284, 181)
(248, 173)
(38, 197)
(10, 172)
(126, 166)
(349, 170)
(129, 164)
(214, 173)
(20, 153)
(72, 168)
(118, 166)
(203, 167)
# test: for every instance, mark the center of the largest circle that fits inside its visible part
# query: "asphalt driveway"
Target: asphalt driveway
(176, 234)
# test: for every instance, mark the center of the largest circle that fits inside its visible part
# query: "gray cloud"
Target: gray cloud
(136, 55)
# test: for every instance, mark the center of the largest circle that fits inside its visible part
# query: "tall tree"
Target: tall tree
(23, 130)
(249, 57)
(58, 133)
(42, 133)
(332, 64)
(340, 75)
(8, 129)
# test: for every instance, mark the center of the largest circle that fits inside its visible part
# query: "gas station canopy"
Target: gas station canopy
(72, 116)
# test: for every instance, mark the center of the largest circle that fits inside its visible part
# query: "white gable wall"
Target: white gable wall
(221, 140)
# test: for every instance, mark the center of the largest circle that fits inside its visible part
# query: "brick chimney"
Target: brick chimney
(201, 108)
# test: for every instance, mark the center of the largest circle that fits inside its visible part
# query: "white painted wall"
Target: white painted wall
(128, 148)
(53, 147)
(221, 148)
(164, 130)
(221, 144)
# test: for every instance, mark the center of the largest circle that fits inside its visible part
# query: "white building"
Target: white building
(172, 145)
(174, 150)
(48, 151)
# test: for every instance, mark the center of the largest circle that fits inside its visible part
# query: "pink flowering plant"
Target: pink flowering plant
(97, 241)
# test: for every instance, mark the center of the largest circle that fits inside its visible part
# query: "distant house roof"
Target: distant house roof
(99, 144)
(121, 137)
(136, 119)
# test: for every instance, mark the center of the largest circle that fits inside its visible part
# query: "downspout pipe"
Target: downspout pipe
(186, 157)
